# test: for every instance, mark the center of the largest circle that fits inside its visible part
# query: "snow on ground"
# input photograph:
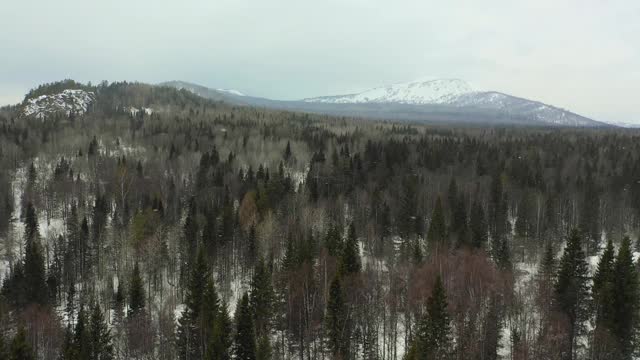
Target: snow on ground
(67, 102)
(134, 111)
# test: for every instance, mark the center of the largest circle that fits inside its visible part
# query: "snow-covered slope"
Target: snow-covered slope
(458, 94)
(524, 108)
(415, 92)
(67, 102)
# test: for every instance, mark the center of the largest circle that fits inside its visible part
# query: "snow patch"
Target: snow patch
(231, 91)
(439, 91)
(67, 102)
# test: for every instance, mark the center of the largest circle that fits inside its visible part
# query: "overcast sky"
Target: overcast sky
(580, 55)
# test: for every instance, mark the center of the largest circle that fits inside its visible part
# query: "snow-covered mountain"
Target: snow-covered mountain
(441, 91)
(458, 94)
(441, 100)
(67, 102)
(515, 106)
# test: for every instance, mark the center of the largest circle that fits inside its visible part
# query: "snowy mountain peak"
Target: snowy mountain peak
(68, 102)
(438, 91)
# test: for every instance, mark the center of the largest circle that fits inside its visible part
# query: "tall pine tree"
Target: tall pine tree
(572, 292)
(245, 338)
(625, 300)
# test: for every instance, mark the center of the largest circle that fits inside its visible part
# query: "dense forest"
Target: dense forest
(160, 225)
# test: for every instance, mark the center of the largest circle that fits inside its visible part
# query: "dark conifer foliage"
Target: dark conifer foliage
(245, 337)
(571, 292)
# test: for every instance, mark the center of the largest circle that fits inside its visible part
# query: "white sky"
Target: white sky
(580, 55)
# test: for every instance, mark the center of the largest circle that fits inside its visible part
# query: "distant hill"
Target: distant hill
(442, 100)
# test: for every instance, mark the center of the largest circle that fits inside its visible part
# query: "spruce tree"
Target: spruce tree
(191, 230)
(478, 226)
(68, 351)
(100, 344)
(545, 280)
(190, 344)
(209, 310)
(81, 336)
(408, 209)
(503, 255)
(603, 345)
(136, 293)
(571, 291)
(31, 229)
(34, 274)
(118, 305)
(337, 324)
(434, 332)
(437, 234)
(263, 351)
(20, 348)
(220, 340)
(245, 339)
(350, 258)
(602, 289)
(625, 300)
(333, 240)
(262, 298)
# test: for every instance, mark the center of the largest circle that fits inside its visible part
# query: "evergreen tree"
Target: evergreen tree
(603, 286)
(263, 351)
(191, 230)
(31, 229)
(337, 324)
(498, 208)
(408, 209)
(136, 293)
(434, 333)
(625, 300)
(524, 225)
(220, 341)
(100, 336)
(333, 240)
(20, 348)
(245, 340)
(262, 298)
(437, 234)
(503, 255)
(118, 305)
(190, 342)
(34, 274)
(287, 152)
(81, 336)
(545, 280)
(590, 214)
(571, 291)
(478, 225)
(68, 351)
(209, 310)
(350, 259)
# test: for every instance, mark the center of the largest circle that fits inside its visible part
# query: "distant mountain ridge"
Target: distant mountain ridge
(440, 91)
(439, 100)
(433, 101)
(457, 93)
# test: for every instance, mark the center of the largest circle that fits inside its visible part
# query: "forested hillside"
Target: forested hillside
(161, 225)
